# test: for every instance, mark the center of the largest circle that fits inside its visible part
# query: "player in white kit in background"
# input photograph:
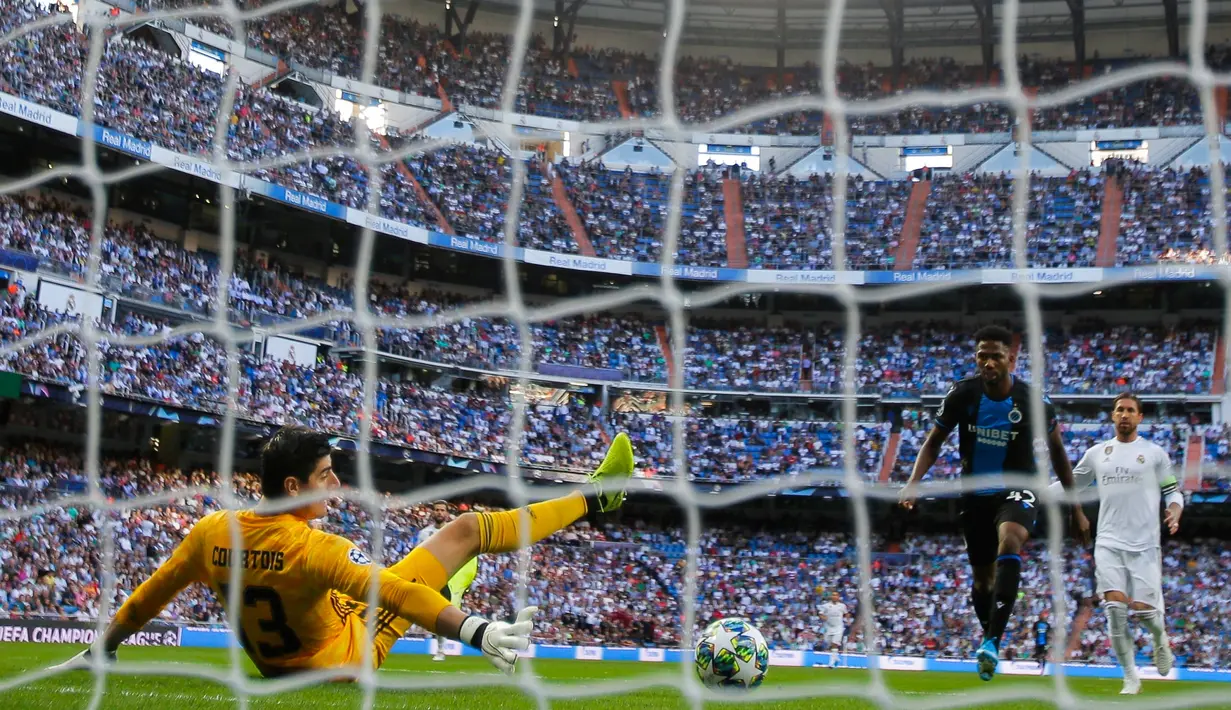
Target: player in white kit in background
(1131, 474)
(440, 518)
(835, 627)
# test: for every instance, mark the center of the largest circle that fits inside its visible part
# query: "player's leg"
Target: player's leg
(1114, 586)
(1015, 518)
(507, 531)
(1146, 605)
(439, 655)
(981, 551)
(454, 591)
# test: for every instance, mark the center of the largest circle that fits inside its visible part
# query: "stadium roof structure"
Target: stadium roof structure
(871, 24)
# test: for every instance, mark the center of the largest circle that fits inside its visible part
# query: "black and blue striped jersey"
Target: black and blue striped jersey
(993, 435)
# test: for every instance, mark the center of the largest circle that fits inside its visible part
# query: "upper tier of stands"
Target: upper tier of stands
(966, 221)
(416, 58)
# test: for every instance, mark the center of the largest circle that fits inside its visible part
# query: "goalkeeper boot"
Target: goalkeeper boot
(611, 477)
(988, 657)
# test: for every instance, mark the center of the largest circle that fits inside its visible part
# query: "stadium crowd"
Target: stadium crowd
(582, 84)
(615, 584)
(1089, 357)
(168, 101)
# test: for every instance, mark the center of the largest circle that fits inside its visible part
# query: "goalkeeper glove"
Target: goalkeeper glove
(85, 661)
(499, 641)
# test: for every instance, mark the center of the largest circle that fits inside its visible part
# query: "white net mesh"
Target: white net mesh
(97, 21)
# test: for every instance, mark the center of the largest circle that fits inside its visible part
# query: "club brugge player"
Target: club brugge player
(1042, 633)
(991, 412)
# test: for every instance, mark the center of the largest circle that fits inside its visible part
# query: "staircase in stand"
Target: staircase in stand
(908, 242)
(1194, 458)
(281, 71)
(424, 200)
(805, 364)
(565, 205)
(733, 211)
(664, 343)
(890, 458)
(621, 91)
(445, 104)
(1109, 226)
(1218, 382)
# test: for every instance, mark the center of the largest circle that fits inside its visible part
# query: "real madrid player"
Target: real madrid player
(835, 627)
(1131, 474)
(991, 412)
(458, 583)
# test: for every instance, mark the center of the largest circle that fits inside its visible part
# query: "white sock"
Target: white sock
(1152, 619)
(1117, 620)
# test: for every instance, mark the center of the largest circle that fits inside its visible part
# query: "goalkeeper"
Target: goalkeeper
(300, 605)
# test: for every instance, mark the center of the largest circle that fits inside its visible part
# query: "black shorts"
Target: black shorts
(983, 514)
(1040, 650)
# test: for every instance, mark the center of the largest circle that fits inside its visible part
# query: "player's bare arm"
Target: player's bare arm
(1064, 471)
(1171, 518)
(928, 454)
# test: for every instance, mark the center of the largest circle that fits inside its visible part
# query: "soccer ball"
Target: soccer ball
(731, 653)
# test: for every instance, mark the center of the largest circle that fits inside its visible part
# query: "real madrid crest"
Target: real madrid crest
(1015, 416)
(1141, 459)
(1107, 451)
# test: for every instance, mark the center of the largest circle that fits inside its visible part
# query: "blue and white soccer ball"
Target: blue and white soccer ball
(732, 653)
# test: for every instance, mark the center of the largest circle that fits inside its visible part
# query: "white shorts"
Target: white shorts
(1137, 575)
(833, 637)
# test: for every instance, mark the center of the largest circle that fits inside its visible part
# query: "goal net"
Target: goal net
(378, 156)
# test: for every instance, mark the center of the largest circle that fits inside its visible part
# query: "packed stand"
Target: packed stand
(1165, 216)
(470, 185)
(624, 213)
(728, 449)
(1216, 474)
(1092, 357)
(968, 221)
(579, 86)
(787, 222)
(735, 356)
(190, 371)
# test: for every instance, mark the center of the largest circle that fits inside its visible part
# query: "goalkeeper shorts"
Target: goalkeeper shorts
(420, 567)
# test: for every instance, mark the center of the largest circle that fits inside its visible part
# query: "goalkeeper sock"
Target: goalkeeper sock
(1152, 619)
(982, 601)
(502, 532)
(1004, 595)
(1117, 621)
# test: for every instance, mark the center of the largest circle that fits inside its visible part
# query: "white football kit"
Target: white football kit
(425, 533)
(835, 620)
(1131, 478)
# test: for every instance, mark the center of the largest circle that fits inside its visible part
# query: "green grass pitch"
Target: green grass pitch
(470, 684)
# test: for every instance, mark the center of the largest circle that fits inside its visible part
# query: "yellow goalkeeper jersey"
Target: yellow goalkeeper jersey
(298, 607)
